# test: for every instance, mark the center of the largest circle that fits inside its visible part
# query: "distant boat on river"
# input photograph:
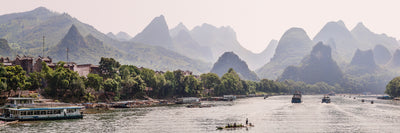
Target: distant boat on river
(296, 97)
(326, 99)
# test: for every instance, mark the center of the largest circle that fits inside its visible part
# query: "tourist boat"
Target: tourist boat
(326, 99)
(296, 97)
(24, 109)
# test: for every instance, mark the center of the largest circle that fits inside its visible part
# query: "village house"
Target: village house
(27, 65)
(6, 61)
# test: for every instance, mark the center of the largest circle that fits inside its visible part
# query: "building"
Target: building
(38, 65)
(85, 69)
(25, 62)
(27, 65)
(6, 61)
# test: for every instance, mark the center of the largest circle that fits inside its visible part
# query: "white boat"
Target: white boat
(24, 109)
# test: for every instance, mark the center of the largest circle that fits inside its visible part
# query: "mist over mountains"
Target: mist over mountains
(357, 52)
(318, 66)
(292, 47)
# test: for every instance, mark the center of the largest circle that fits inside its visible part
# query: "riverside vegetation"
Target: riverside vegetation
(123, 82)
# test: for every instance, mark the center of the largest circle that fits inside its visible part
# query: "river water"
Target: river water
(274, 114)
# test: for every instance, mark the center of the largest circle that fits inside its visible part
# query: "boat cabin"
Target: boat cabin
(26, 109)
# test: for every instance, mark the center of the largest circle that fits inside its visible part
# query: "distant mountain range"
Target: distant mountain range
(120, 36)
(26, 30)
(161, 48)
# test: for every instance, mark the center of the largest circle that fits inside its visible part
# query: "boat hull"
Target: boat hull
(296, 100)
(37, 118)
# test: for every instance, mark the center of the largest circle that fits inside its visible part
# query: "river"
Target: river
(274, 114)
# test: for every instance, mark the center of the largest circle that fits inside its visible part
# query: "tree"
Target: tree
(94, 81)
(108, 67)
(128, 71)
(230, 84)
(148, 76)
(65, 83)
(34, 81)
(160, 90)
(111, 88)
(3, 78)
(210, 80)
(128, 87)
(393, 87)
(178, 82)
(191, 86)
(15, 78)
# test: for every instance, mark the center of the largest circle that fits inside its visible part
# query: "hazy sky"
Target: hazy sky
(256, 22)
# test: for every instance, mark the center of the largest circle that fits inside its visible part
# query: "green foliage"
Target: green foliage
(65, 83)
(191, 85)
(128, 71)
(108, 67)
(15, 78)
(111, 88)
(210, 80)
(230, 84)
(148, 76)
(94, 81)
(393, 87)
(35, 81)
(3, 78)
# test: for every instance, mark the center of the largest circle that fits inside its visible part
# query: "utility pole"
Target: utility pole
(67, 56)
(43, 48)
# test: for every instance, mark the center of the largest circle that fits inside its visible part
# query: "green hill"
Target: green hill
(231, 60)
(25, 32)
(5, 49)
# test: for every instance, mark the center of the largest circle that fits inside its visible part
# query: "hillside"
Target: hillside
(394, 63)
(368, 39)
(156, 33)
(381, 55)
(339, 38)
(81, 50)
(5, 49)
(318, 66)
(184, 44)
(363, 62)
(231, 60)
(269, 52)
(292, 47)
(25, 32)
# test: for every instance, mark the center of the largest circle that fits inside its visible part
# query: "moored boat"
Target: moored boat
(24, 109)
